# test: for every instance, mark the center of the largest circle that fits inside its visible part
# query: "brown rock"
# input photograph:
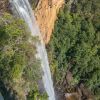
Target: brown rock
(46, 14)
(72, 96)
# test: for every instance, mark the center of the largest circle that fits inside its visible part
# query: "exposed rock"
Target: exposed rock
(46, 14)
(72, 96)
(87, 94)
(73, 92)
(4, 6)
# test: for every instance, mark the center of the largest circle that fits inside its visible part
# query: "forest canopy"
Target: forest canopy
(75, 44)
(19, 68)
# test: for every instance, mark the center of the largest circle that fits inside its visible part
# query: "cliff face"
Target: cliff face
(46, 14)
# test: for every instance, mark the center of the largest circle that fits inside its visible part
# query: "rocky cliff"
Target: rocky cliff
(46, 14)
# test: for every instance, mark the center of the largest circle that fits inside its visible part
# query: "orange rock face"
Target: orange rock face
(46, 14)
(72, 96)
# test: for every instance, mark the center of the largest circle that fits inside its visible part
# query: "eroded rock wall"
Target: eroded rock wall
(46, 14)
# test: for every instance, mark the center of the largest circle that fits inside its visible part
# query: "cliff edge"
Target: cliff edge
(46, 14)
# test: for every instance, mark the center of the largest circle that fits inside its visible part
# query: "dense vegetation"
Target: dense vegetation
(75, 44)
(19, 68)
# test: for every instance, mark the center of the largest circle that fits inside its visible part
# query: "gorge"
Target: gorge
(50, 49)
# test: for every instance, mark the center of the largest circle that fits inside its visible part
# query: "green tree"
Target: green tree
(76, 42)
(19, 68)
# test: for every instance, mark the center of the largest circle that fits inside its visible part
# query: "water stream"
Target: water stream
(24, 10)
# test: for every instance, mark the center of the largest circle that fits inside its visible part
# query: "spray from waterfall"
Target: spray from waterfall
(23, 9)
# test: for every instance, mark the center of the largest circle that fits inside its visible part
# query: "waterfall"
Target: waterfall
(24, 10)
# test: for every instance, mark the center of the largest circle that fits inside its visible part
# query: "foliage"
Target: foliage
(19, 68)
(76, 42)
(34, 95)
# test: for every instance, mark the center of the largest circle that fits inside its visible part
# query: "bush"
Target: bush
(76, 42)
(19, 68)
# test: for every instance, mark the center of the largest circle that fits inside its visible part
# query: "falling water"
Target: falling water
(23, 9)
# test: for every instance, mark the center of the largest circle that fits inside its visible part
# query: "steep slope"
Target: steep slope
(46, 14)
